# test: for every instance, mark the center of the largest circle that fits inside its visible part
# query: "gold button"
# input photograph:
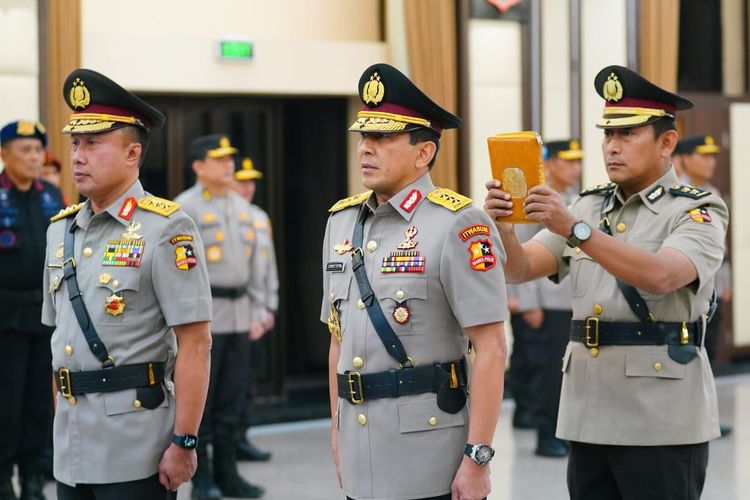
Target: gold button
(88, 252)
(621, 227)
(115, 284)
(362, 419)
(137, 403)
(399, 295)
(657, 366)
(104, 278)
(358, 362)
(372, 245)
(219, 235)
(594, 352)
(360, 304)
(598, 309)
(578, 250)
(433, 421)
(72, 400)
(69, 350)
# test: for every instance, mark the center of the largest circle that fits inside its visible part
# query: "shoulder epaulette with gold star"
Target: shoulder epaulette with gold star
(688, 191)
(158, 205)
(350, 201)
(66, 212)
(449, 199)
(598, 189)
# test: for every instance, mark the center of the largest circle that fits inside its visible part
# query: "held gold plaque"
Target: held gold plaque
(516, 160)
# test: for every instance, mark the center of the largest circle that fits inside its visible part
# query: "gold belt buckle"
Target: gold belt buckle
(63, 378)
(589, 321)
(352, 378)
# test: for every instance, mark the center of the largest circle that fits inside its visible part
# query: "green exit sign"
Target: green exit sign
(236, 49)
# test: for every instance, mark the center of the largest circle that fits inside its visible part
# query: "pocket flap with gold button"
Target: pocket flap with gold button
(401, 289)
(424, 415)
(338, 289)
(657, 364)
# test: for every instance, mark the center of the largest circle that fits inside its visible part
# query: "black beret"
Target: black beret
(23, 129)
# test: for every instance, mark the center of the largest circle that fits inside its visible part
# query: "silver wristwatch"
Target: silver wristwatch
(480, 453)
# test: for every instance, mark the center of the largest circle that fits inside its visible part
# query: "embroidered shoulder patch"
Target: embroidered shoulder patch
(482, 258)
(449, 199)
(67, 212)
(350, 201)
(158, 205)
(475, 230)
(601, 189)
(688, 191)
(700, 214)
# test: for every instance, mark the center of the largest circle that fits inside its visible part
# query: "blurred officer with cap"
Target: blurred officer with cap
(246, 177)
(638, 400)
(411, 274)
(545, 309)
(226, 227)
(26, 205)
(127, 289)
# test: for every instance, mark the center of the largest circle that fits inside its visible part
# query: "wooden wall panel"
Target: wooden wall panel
(659, 40)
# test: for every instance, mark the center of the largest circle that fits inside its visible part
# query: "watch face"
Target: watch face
(582, 231)
(484, 454)
(189, 441)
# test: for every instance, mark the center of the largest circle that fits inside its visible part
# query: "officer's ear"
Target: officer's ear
(426, 151)
(667, 142)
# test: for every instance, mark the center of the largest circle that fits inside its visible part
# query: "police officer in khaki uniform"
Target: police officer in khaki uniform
(545, 309)
(26, 205)
(411, 273)
(638, 400)
(127, 290)
(226, 227)
(246, 177)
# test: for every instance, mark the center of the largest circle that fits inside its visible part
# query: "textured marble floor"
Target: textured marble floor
(302, 469)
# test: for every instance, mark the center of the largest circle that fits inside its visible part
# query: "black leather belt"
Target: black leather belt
(117, 378)
(593, 332)
(357, 387)
(228, 292)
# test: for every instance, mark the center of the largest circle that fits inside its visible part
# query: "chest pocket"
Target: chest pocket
(338, 294)
(56, 285)
(404, 302)
(581, 271)
(117, 296)
(653, 365)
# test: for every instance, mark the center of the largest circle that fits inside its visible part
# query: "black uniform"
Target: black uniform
(26, 373)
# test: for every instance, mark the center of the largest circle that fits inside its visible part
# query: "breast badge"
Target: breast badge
(130, 231)
(409, 242)
(60, 251)
(343, 248)
(334, 323)
(114, 305)
(482, 258)
(401, 313)
(123, 253)
(185, 257)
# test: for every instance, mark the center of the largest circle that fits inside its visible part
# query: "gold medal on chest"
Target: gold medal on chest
(114, 305)
(401, 314)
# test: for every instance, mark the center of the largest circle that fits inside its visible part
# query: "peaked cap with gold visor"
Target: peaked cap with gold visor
(702, 144)
(100, 105)
(564, 150)
(247, 171)
(211, 146)
(632, 101)
(393, 104)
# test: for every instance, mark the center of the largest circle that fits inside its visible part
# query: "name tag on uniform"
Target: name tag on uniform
(335, 267)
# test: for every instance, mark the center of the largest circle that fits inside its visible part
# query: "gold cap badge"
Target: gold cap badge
(709, 140)
(80, 97)
(612, 88)
(574, 144)
(224, 142)
(374, 90)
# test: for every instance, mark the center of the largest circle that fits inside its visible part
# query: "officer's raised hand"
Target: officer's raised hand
(497, 204)
(546, 206)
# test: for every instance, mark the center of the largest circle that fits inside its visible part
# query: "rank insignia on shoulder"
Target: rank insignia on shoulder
(158, 205)
(482, 258)
(598, 189)
(700, 214)
(351, 201)
(688, 191)
(67, 211)
(449, 199)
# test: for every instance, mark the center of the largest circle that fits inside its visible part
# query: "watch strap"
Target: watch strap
(187, 441)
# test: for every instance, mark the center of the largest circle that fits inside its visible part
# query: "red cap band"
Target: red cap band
(631, 102)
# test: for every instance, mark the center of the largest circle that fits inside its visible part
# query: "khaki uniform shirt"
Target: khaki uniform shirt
(637, 395)
(133, 302)
(267, 257)
(406, 447)
(226, 228)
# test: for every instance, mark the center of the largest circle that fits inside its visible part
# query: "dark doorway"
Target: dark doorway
(299, 143)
